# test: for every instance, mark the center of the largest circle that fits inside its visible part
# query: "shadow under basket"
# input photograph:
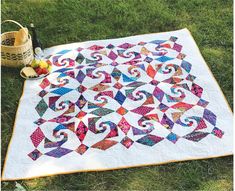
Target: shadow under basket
(15, 56)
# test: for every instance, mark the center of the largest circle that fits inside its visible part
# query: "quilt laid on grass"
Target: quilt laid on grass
(109, 104)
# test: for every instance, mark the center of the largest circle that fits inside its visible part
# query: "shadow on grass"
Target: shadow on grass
(192, 175)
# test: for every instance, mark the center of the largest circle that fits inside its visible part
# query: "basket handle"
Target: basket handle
(12, 21)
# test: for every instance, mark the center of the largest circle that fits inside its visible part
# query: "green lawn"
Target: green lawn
(65, 21)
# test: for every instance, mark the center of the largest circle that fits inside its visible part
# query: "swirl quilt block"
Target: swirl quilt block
(109, 104)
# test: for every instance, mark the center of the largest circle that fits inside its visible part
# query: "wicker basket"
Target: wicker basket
(15, 56)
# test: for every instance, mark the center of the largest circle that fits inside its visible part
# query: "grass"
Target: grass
(65, 21)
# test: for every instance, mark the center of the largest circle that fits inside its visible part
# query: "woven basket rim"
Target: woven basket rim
(8, 32)
(29, 38)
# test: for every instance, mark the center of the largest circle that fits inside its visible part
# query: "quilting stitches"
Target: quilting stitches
(123, 92)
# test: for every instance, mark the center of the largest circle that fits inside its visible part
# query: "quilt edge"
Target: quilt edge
(13, 131)
(117, 168)
(94, 40)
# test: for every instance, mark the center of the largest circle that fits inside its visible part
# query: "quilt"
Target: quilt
(117, 103)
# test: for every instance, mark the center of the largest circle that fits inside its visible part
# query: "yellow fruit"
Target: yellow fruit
(35, 63)
(49, 68)
(43, 64)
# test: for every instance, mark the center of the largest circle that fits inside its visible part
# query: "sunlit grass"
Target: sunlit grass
(65, 21)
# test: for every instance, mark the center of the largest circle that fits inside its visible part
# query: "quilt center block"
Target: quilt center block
(126, 94)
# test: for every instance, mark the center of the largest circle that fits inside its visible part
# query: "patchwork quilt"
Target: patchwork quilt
(117, 103)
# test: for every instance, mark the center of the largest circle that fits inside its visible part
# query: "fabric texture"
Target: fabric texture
(108, 104)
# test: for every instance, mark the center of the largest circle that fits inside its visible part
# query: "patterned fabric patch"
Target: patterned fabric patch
(127, 142)
(82, 149)
(37, 137)
(150, 140)
(41, 107)
(172, 137)
(104, 144)
(58, 152)
(34, 155)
